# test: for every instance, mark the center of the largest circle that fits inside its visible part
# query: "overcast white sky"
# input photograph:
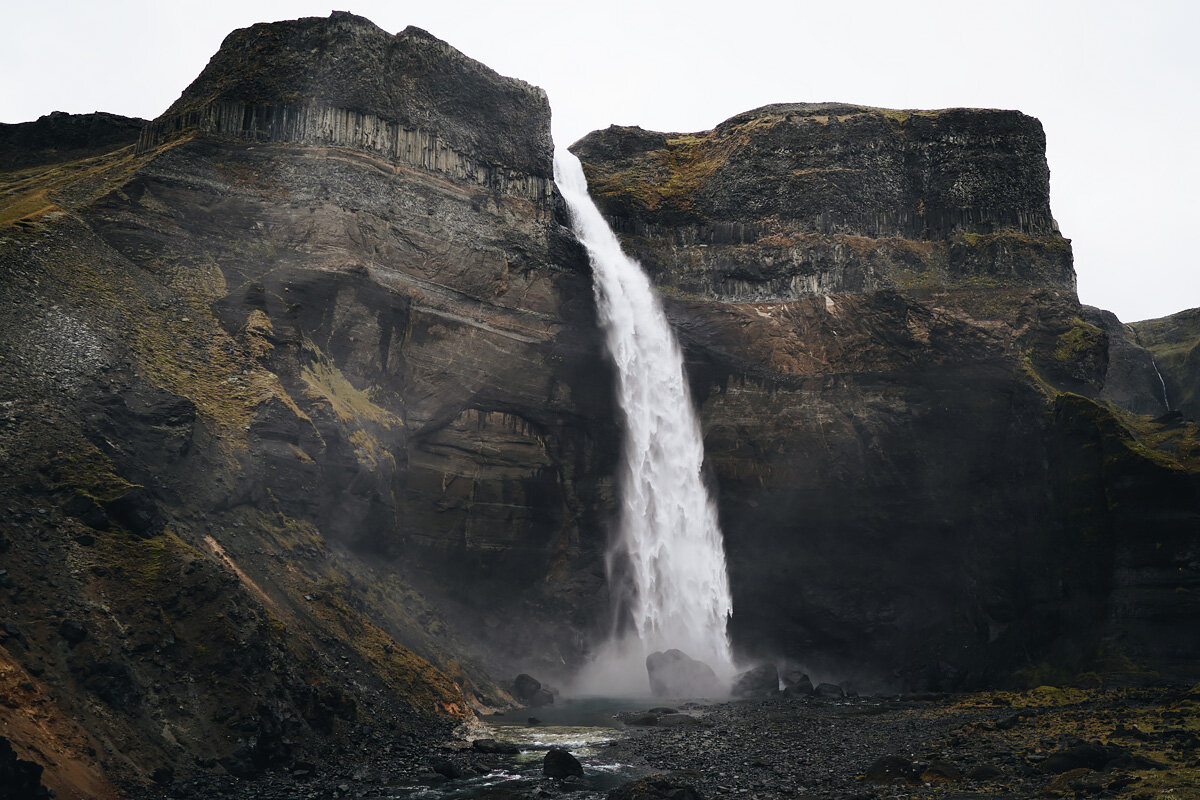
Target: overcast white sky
(1116, 85)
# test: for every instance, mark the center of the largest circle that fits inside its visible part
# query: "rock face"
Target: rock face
(311, 411)
(762, 681)
(797, 200)
(912, 424)
(1174, 342)
(676, 674)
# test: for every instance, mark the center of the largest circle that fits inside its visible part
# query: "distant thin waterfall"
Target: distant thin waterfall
(1162, 383)
(668, 545)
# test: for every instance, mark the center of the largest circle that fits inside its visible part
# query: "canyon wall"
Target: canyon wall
(930, 460)
(307, 431)
(307, 426)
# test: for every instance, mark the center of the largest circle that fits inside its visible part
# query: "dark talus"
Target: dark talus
(931, 466)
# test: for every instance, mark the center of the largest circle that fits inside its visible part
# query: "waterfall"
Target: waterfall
(666, 562)
(1162, 383)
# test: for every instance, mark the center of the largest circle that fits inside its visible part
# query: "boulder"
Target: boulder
(941, 770)
(493, 746)
(829, 691)
(801, 687)
(1081, 755)
(676, 674)
(793, 675)
(762, 681)
(559, 763)
(984, 772)
(525, 685)
(529, 691)
(73, 631)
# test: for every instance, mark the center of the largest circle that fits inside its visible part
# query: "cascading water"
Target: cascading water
(1162, 383)
(667, 561)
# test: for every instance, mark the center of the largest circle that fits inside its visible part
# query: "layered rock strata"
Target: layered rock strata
(304, 425)
(929, 458)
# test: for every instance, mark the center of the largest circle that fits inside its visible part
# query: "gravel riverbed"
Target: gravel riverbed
(1049, 742)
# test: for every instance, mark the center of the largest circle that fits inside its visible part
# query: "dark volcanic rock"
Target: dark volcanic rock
(829, 691)
(761, 681)
(62, 137)
(559, 763)
(320, 359)
(904, 405)
(676, 674)
(493, 746)
(797, 684)
(525, 686)
(73, 631)
(298, 78)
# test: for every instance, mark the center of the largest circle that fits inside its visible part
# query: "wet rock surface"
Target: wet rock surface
(673, 673)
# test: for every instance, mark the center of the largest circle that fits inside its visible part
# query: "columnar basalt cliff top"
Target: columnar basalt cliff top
(828, 166)
(412, 79)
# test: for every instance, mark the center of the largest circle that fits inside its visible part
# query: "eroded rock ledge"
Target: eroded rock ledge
(343, 81)
(794, 200)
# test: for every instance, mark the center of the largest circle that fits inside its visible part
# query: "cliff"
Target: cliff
(298, 431)
(934, 467)
(1174, 342)
(799, 199)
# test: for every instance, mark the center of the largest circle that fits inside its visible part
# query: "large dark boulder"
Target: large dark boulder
(559, 763)
(761, 681)
(676, 674)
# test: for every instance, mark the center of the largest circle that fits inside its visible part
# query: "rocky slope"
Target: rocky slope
(298, 420)
(929, 457)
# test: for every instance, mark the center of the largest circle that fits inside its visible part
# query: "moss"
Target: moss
(86, 471)
(1047, 389)
(1079, 341)
(1015, 240)
(69, 184)
(324, 381)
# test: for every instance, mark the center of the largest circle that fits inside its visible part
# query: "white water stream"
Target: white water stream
(667, 561)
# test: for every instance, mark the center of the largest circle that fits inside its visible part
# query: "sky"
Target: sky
(1116, 85)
